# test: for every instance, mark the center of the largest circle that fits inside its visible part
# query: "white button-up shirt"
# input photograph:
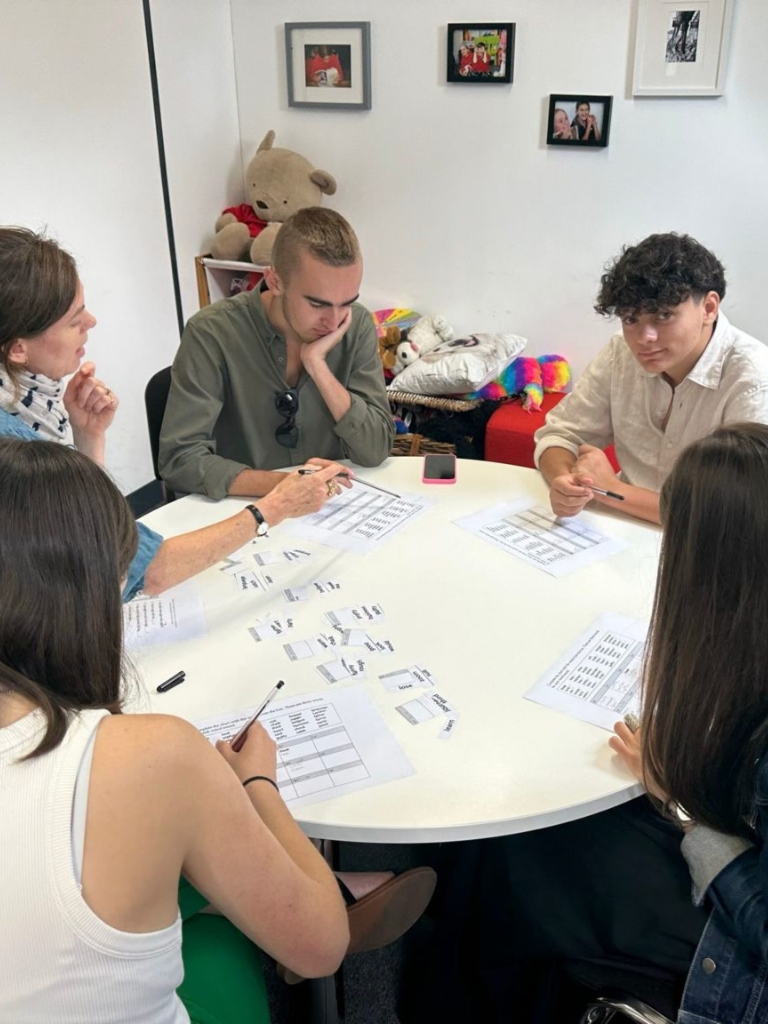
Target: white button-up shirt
(616, 401)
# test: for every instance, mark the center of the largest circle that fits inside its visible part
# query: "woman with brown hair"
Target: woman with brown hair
(44, 327)
(672, 886)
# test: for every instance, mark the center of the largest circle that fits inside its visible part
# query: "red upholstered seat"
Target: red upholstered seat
(509, 433)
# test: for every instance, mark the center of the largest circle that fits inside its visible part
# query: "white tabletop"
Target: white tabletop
(483, 622)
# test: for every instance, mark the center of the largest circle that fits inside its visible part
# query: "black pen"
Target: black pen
(237, 741)
(173, 681)
(355, 479)
(608, 494)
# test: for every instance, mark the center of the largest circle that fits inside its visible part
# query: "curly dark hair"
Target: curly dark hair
(658, 273)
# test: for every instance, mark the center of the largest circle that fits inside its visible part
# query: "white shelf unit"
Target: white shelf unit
(214, 277)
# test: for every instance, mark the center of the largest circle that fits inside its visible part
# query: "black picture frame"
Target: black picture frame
(496, 39)
(580, 134)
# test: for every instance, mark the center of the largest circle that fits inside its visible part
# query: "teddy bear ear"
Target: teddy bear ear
(324, 181)
(266, 142)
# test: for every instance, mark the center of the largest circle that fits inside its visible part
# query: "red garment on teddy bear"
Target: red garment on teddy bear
(246, 215)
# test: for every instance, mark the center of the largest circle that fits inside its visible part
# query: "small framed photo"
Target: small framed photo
(481, 53)
(578, 120)
(328, 64)
(681, 47)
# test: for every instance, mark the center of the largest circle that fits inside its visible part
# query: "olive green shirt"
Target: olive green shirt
(221, 418)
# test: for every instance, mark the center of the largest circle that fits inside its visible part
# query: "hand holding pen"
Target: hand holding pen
(238, 740)
(347, 476)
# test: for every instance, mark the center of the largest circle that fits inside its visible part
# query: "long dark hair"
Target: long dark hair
(38, 284)
(705, 715)
(67, 537)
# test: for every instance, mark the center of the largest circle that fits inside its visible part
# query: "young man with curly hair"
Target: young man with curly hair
(678, 370)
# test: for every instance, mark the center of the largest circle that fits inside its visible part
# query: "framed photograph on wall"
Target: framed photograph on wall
(578, 120)
(328, 64)
(481, 53)
(681, 47)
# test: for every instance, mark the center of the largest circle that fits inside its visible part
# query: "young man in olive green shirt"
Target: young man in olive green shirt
(276, 376)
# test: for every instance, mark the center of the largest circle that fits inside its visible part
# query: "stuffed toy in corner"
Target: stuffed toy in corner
(426, 334)
(278, 182)
(529, 378)
(388, 344)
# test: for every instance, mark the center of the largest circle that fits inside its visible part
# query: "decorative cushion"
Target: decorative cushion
(461, 365)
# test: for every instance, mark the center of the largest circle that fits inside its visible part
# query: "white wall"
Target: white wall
(460, 205)
(196, 81)
(79, 155)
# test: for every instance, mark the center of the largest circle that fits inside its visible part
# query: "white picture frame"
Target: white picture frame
(681, 47)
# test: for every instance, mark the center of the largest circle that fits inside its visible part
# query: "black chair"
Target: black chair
(155, 398)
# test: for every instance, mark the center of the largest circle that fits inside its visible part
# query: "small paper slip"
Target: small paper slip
(354, 638)
(384, 646)
(300, 649)
(449, 728)
(270, 630)
(359, 615)
(296, 554)
(292, 594)
(535, 535)
(175, 615)
(343, 668)
(232, 567)
(598, 678)
(326, 641)
(408, 678)
(266, 557)
(249, 582)
(421, 709)
(326, 586)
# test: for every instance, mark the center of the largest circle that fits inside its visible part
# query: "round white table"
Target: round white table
(486, 625)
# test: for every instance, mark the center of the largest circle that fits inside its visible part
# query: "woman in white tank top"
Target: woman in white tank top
(89, 917)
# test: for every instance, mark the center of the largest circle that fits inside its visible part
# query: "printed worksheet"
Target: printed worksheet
(358, 519)
(538, 537)
(325, 746)
(175, 615)
(598, 678)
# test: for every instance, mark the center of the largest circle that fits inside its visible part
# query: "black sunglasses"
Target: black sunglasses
(287, 404)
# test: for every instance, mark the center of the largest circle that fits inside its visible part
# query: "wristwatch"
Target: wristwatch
(262, 526)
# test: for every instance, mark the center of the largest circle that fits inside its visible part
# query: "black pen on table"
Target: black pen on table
(169, 684)
(608, 494)
(237, 741)
(357, 479)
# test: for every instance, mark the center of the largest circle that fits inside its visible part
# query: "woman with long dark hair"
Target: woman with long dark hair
(102, 813)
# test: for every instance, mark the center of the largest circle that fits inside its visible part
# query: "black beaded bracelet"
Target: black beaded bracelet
(262, 778)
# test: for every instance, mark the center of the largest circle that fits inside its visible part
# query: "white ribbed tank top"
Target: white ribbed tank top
(58, 961)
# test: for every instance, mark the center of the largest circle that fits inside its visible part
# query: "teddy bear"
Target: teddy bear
(278, 182)
(388, 344)
(426, 334)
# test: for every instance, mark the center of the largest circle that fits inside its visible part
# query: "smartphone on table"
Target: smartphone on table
(439, 469)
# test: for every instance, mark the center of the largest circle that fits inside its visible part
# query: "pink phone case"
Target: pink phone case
(431, 480)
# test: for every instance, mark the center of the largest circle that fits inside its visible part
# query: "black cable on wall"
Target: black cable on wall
(163, 167)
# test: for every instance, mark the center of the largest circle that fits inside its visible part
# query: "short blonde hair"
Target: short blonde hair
(323, 233)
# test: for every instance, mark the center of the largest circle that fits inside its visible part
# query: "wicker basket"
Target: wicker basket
(433, 401)
(417, 444)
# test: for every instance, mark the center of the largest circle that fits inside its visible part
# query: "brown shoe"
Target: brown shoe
(382, 916)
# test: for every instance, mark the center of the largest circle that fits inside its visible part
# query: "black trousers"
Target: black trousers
(612, 888)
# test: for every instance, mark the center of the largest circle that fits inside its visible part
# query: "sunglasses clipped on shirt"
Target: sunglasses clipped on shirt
(287, 404)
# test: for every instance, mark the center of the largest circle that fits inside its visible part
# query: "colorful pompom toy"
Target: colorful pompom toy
(528, 377)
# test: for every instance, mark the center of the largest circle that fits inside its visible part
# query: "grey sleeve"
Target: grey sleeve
(707, 853)
(187, 458)
(367, 430)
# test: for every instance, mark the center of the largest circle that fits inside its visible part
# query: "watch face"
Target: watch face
(261, 529)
